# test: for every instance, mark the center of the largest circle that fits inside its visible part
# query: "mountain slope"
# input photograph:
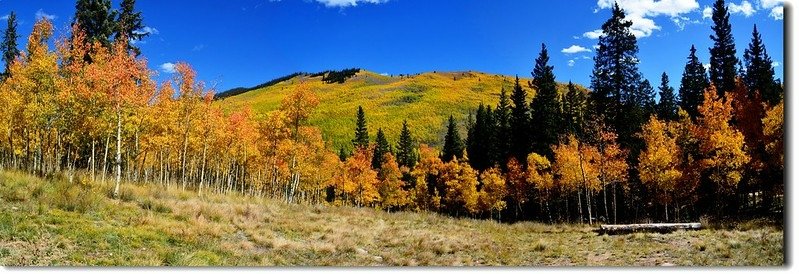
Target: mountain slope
(426, 100)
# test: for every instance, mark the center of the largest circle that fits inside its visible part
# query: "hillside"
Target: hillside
(426, 100)
(54, 222)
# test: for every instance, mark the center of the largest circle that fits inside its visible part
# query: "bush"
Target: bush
(74, 197)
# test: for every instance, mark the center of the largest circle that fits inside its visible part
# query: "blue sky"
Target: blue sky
(247, 42)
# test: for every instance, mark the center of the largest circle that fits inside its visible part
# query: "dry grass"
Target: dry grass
(154, 226)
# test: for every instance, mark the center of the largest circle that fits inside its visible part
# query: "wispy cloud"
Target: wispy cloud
(707, 12)
(4, 17)
(41, 14)
(198, 47)
(775, 64)
(776, 13)
(574, 49)
(571, 63)
(348, 3)
(148, 30)
(168, 68)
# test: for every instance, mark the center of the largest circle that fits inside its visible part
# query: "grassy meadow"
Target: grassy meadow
(55, 222)
(426, 100)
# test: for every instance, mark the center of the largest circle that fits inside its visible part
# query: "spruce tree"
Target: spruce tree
(722, 54)
(9, 43)
(759, 73)
(453, 146)
(693, 84)
(502, 130)
(574, 105)
(129, 24)
(361, 139)
(96, 19)
(519, 124)
(545, 107)
(342, 154)
(381, 148)
(479, 141)
(619, 95)
(667, 105)
(406, 153)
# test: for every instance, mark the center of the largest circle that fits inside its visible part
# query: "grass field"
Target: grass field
(53, 222)
(426, 100)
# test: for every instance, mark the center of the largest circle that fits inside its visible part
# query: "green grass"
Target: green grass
(426, 100)
(52, 222)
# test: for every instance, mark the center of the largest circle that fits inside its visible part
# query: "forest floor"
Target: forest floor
(52, 222)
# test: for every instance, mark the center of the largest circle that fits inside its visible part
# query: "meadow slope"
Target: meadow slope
(426, 100)
(54, 222)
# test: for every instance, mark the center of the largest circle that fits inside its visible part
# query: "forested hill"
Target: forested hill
(426, 100)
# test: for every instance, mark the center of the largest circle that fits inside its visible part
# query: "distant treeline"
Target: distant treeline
(328, 76)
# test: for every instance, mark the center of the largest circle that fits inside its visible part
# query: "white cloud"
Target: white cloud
(348, 3)
(775, 64)
(595, 46)
(706, 66)
(41, 14)
(707, 12)
(744, 8)
(4, 17)
(575, 49)
(571, 63)
(168, 68)
(767, 4)
(776, 13)
(642, 12)
(594, 34)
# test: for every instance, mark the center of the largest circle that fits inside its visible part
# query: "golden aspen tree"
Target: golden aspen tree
(357, 180)
(392, 188)
(658, 163)
(491, 197)
(539, 174)
(298, 108)
(721, 145)
(612, 167)
(773, 130)
(460, 186)
(425, 193)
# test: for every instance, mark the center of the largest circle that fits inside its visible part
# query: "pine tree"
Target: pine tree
(381, 148)
(342, 154)
(96, 19)
(453, 146)
(759, 73)
(722, 54)
(519, 124)
(545, 107)
(361, 132)
(406, 154)
(667, 106)
(9, 44)
(693, 84)
(129, 25)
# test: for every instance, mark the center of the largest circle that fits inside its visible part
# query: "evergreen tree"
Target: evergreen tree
(361, 132)
(693, 84)
(722, 54)
(479, 141)
(759, 73)
(9, 44)
(406, 154)
(502, 130)
(96, 19)
(129, 24)
(342, 154)
(519, 124)
(381, 148)
(667, 106)
(574, 104)
(545, 107)
(619, 96)
(453, 146)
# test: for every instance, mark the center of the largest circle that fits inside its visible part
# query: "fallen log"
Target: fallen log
(660, 227)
